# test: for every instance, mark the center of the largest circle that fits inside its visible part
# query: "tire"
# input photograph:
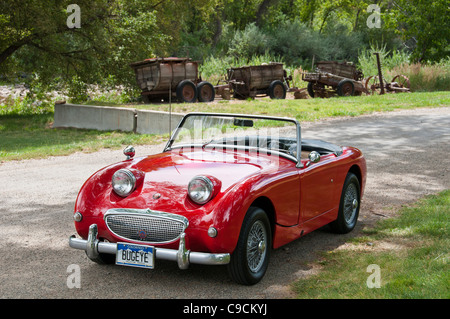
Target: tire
(205, 92)
(186, 91)
(310, 89)
(277, 90)
(348, 206)
(346, 88)
(248, 266)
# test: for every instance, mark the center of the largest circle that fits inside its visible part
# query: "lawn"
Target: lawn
(314, 109)
(406, 257)
(32, 136)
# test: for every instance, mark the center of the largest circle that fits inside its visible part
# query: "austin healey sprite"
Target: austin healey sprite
(226, 190)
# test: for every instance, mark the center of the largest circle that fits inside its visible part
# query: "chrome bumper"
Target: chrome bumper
(182, 256)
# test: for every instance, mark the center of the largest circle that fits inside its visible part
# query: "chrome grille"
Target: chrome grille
(145, 225)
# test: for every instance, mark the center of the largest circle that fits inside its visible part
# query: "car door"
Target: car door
(317, 187)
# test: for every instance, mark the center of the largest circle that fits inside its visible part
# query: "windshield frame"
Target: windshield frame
(297, 159)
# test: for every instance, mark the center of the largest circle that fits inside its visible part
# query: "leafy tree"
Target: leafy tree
(427, 24)
(35, 37)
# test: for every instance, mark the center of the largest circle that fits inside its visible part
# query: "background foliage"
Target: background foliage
(37, 47)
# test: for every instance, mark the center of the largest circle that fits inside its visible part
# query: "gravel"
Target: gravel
(407, 158)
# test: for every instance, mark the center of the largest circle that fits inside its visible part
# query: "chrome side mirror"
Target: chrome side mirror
(314, 157)
(129, 152)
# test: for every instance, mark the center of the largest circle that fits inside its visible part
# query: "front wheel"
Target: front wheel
(250, 259)
(348, 206)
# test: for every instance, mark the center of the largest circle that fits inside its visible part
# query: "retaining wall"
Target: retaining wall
(106, 118)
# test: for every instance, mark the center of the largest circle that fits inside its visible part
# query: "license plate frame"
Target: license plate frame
(135, 255)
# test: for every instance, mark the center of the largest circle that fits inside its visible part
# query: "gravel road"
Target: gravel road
(407, 158)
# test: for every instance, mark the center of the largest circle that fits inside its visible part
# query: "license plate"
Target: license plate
(135, 255)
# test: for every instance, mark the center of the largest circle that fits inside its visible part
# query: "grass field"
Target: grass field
(314, 109)
(401, 258)
(31, 136)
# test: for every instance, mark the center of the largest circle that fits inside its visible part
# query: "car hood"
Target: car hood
(164, 178)
(179, 167)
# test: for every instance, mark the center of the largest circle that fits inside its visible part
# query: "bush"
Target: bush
(423, 77)
(249, 42)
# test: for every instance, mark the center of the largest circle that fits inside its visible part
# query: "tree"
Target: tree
(35, 37)
(427, 24)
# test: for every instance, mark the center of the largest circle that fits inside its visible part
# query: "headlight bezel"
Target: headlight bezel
(131, 180)
(199, 182)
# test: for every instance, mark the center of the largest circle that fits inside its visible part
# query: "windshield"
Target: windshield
(270, 134)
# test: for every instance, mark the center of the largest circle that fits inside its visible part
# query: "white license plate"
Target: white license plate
(135, 255)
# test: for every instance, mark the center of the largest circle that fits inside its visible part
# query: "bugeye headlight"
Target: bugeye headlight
(123, 182)
(200, 189)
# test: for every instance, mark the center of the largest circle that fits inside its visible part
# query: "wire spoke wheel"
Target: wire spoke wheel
(350, 203)
(256, 246)
(250, 258)
(373, 85)
(349, 206)
(402, 81)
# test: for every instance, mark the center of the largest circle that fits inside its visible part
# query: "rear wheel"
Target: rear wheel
(310, 89)
(205, 92)
(186, 91)
(250, 259)
(346, 88)
(277, 90)
(348, 206)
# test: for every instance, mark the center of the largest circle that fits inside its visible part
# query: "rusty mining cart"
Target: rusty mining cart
(249, 81)
(333, 77)
(165, 78)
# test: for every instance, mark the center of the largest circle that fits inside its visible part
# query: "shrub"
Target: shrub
(425, 77)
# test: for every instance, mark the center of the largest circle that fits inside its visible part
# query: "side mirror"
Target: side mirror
(314, 157)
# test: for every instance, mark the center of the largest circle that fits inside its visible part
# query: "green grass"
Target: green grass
(314, 109)
(31, 136)
(25, 136)
(411, 250)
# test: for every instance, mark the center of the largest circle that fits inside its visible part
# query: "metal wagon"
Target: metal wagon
(333, 77)
(265, 79)
(161, 78)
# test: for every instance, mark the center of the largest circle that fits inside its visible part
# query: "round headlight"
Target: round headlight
(123, 182)
(200, 189)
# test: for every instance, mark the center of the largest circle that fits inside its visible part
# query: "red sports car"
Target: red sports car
(226, 189)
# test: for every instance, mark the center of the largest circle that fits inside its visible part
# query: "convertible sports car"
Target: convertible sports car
(226, 189)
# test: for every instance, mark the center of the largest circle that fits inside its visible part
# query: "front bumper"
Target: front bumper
(182, 256)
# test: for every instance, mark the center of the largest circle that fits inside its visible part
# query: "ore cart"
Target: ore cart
(266, 79)
(161, 78)
(333, 77)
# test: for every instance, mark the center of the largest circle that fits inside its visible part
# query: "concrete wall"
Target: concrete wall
(106, 118)
(155, 122)
(103, 118)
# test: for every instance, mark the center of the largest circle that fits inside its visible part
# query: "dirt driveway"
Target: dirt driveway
(407, 158)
